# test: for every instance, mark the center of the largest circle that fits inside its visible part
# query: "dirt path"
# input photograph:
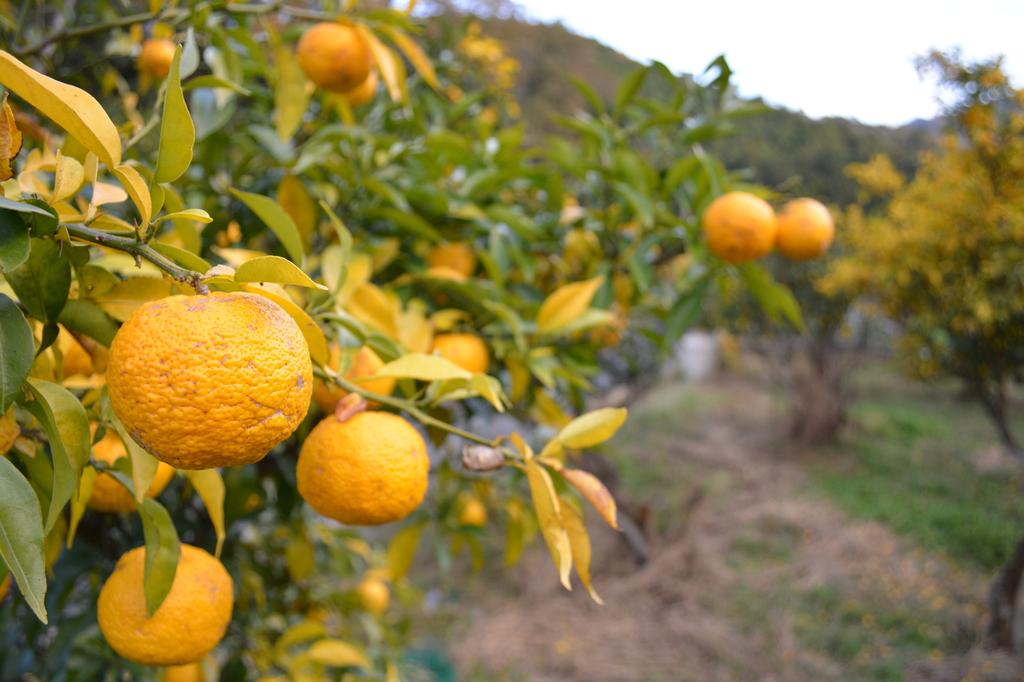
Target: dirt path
(763, 581)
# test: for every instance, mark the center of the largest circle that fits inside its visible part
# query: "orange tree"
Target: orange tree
(944, 256)
(196, 241)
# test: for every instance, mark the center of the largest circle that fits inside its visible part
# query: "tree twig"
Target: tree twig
(139, 250)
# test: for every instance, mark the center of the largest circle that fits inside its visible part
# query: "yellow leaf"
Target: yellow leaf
(414, 329)
(104, 193)
(371, 305)
(592, 428)
(595, 492)
(296, 202)
(73, 109)
(360, 267)
(545, 504)
(579, 542)
(446, 319)
(402, 550)
(489, 389)
(336, 652)
(388, 63)
(68, 177)
(274, 269)
(420, 61)
(291, 95)
(424, 367)
(125, 297)
(210, 487)
(137, 189)
(78, 502)
(298, 555)
(310, 329)
(10, 140)
(303, 631)
(196, 214)
(566, 303)
(177, 132)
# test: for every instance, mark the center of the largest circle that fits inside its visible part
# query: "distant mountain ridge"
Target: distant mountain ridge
(782, 149)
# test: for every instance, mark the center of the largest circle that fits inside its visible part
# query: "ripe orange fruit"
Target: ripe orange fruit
(806, 229)
(107, 494)
(473, 513)
(5, 587)
(374, 595)
(75, 358)
(457, 256)
(192, 672)
(468, 351)
(334, 56)
(364, 364)
(189, 623)
(210, 381)
(364, 92)
(9, 430)
(156, 57)
(364, 471)
(740, 227)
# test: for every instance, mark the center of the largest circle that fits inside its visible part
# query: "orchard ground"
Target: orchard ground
(867, 560)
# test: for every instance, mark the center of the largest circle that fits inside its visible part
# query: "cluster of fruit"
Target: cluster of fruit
(740, 227)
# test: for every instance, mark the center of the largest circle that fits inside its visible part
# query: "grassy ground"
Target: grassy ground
(866, 560)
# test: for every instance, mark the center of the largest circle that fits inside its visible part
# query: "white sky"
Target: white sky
(851, 58)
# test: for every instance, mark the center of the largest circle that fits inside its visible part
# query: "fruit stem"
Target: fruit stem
(405, 406)
(139, 250)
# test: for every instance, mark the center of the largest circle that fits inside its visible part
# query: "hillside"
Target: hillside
(782, 149)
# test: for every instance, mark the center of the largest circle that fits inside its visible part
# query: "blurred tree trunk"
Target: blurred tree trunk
(992, 395)
(1003, 601)
(818, 375)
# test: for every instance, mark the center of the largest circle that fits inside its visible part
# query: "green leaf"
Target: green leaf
(274, 269)
(299, 557)
(42, 282)
(279, 222)
(73, 109)
(402, 550)
(17, 351)
(775, 299)
(184, 258)
(406, 220)
(67, 430)
(162, 552)
(144, 465)
(589, 93)
(209, 81)
(85, 317)
(14, 241)
(685, 311)
(210, 487)
(37, 215)
(627, 91)
(21, 536)
(177, 132)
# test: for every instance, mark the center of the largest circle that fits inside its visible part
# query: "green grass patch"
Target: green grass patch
(907, 464)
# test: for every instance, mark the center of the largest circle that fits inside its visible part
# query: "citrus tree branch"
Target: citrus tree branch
(83, 31)
(414, 412)
(139, 250)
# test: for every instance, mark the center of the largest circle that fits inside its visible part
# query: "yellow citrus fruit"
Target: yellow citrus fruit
(9, 430)
(110, 496)
(374, 595)
(156, 57)
(76, 359)
(5, 586)
(191, 672)
(364, 92)
(366, 470)
(334, 56)
(457, 256)
(364, 364)
(210, 381)
(468, 351)
(806, 229)
(473, 513)
(739, 227)
(189, 623)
